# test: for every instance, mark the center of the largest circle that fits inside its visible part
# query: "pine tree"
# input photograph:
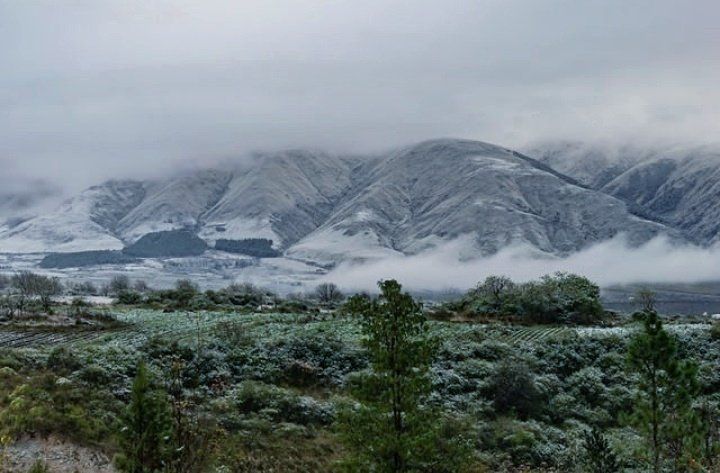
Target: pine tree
(667, 387)
(390, 431)
(147, 431)
(600, 457)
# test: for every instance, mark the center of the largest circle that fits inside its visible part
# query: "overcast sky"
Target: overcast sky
(91, 89)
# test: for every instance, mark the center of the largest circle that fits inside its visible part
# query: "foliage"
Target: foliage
(513, 389)
(4, 282)
(667, 388)
(39, 467)
(558, 298)
(600, 456)
(169, 243)
(391, 430)
(119, 284)
(257, 247)
(715, 331)
(145, 437)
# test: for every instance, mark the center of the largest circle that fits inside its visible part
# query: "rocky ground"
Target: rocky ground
(60, 457)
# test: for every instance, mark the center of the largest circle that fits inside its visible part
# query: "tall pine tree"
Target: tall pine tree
(390, 430)
(667, 386)
(147, 432)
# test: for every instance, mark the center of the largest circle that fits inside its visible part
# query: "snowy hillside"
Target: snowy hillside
(324, 208)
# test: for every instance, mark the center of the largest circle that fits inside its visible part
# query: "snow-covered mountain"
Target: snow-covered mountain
(680, 185)
(326, 208)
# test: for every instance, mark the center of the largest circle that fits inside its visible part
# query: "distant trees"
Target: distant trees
(185, 290)
(391, 431)
(557, 298)
(4, 282)
(119, 284)
(493, 294)
(667, 386)
(327, 293)
(29, 284)
(141, 286)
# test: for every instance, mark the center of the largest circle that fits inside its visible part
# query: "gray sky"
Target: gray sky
(91, 89)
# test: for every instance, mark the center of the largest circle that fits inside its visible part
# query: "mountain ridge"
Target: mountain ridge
(327, 208)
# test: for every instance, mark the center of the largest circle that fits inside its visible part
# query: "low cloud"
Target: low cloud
(607, 263)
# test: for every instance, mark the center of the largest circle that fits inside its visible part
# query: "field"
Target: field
(272, 383)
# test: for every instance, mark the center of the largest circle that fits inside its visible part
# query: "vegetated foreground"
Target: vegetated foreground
(225, 390)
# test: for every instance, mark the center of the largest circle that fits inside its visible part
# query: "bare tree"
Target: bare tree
(46, 289)
(29, 284)
(119, 284)
(646, 298)
(4, 282)
(328, 292)
(141, 286)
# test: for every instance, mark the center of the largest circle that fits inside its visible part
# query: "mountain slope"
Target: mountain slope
(82, 223)
(281, 197)
(680, 185)
(174, 204)
(444, 189)
(325, 208)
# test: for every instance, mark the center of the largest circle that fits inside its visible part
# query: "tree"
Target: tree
(4, 282)
(391, 431)
(667, 386)
(493, 293)
(45, 289)
(147, 432)
(328, 293)
(119, 284)
(29, 284)
(141, 286)
(646, 298)
(185, 290)
(513, 388)
(600, 456)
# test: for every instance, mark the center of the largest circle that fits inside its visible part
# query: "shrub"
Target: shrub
(715, 331)
(129, 297)
(63, 361)
(513, 389)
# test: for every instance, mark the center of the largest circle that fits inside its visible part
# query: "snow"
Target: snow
(238, 229)
(330, 246)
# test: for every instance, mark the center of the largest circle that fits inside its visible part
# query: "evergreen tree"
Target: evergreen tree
(390, 431)
(147, 431)
(600, 457)
(667, 387)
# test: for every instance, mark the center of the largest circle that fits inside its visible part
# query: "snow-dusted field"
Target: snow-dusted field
(210, 271)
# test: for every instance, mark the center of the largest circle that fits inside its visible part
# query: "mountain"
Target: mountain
(679, 185)
(440, 190)
(325, 208)
(281, 197)
(84, 222)
(22, 199)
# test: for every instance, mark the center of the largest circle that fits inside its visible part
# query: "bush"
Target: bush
(513, 389)
(63, 361)
(129, 297)
(715, 331)
(281, 405)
